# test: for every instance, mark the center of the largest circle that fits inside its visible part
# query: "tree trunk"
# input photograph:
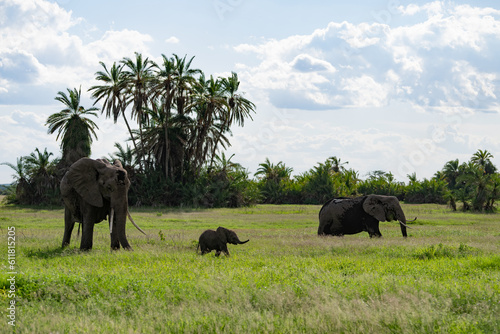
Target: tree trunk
(132, 137)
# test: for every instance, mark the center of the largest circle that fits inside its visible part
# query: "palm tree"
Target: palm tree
(350, 179)
(20, 180)
(183, 90)
(184, 80)
(482, 158)
(137, 78)
(41, 172)
(336, 165)
(451, 172)
(20, 169)
(73, 126)
(377, 175)
(412, 178)
(156, 135)
(209, 102)
(113, 94)
(269, 171)
(237, 108)
(138, 75)
(494, 192)
(125, 155)
(271, 184)
(225, 165)
(38, 162)
(164, 89)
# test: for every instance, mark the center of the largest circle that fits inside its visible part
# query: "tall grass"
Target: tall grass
(444, 278)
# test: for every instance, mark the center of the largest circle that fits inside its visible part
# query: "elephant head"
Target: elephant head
(385, 208)
(228, 236)
(93, 190)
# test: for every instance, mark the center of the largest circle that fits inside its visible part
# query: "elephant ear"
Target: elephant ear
(222, 234)
(374, 207)
(82, 176)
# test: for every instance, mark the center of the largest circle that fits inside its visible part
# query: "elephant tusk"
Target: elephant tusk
(412, 220)
(133, 222)
(404, 223)
(111, 217)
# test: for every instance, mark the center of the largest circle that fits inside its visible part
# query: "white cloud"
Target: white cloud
(445, 60)
(307, 63)
(39, 50)
(172, 40)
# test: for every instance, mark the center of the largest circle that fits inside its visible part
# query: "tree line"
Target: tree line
(178, 120)
(469, 186)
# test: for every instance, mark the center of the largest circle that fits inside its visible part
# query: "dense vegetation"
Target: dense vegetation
(472, 185)
(444, 278)
(182, 119)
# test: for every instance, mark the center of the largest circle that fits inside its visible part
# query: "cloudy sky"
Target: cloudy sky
(400, 86)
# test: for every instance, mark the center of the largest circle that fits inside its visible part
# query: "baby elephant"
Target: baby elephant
(217, 240)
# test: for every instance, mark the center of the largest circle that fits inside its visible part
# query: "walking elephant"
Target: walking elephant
(217, 240)
(92, 191)
(341, 216)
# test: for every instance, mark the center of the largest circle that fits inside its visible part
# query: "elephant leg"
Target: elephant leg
(115, 242)
(69, 224)
(204, 250)
(325, 229)
(374, 231)
(119, 223)
(336, 231)
(225, 250)
(87, 236)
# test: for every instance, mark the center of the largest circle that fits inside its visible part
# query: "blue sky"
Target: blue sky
(400, 86)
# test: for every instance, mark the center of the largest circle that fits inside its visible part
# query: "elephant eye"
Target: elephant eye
(121, 175)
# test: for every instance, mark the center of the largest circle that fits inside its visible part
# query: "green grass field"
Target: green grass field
(444, 278)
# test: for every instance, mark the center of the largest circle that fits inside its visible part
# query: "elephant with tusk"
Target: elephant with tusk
(341, 216)
(217, 240)
(93, 190)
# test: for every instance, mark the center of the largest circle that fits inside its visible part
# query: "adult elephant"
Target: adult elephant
(341, 216)
(94, 190)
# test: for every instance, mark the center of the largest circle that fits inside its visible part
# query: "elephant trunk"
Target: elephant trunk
(121, 218)
(118, 219)
(404, 226)
(243, 242)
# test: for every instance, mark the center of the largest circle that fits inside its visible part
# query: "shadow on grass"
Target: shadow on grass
(48, 253)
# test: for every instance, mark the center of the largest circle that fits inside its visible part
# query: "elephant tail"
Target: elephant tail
(197, 247)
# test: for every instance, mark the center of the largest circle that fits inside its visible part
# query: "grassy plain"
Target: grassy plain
(444, 278)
